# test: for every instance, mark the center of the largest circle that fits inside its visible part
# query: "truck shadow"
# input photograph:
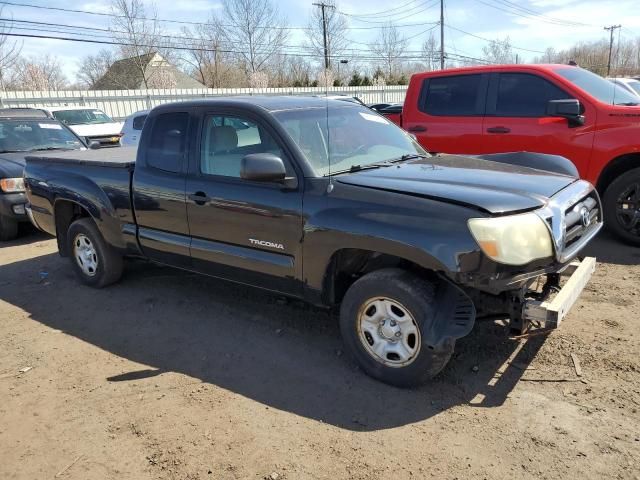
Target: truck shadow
(608, 249)
(282, 354)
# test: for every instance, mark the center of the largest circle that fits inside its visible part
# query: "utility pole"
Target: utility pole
(441, 34)
(611, 29)
(324, 6)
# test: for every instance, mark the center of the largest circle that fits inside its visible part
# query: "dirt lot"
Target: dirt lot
(168, 375)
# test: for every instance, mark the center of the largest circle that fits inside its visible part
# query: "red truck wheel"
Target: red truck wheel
(622, 207)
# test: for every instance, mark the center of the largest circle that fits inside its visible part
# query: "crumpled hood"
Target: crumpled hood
(12, 164)
(97, 129)
(494, 187)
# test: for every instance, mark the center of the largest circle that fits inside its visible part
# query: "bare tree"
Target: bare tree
(93, 67)
(38, 73)
(499, 51)
(431, 53)
(337, 27)
(140, 31)
(208, 62)
(254, 28)
(390, 47)
(9, 51)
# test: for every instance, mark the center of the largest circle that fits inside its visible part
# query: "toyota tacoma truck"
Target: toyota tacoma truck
(329, 202)
(555, 109)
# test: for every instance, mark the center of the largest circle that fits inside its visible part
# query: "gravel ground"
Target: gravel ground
(169, 375)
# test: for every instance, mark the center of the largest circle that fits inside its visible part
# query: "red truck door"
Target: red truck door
(516, 119)
(447, 115)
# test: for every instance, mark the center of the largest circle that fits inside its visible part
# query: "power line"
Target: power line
(526, 10)
(505, 8)
(407, 12)
(405, 15)
(381, 12)
(182, 22)
(490, 40)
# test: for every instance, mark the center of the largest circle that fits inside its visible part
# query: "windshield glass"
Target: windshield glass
(635, 84)
(26, 135)
(83, 116)
(598, 87)
(346, 137)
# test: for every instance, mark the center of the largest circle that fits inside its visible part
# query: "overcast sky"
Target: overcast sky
(485, 18)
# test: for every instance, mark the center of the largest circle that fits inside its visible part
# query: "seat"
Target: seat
(220, 159)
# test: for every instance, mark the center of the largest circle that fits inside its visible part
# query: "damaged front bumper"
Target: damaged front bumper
(549, 309)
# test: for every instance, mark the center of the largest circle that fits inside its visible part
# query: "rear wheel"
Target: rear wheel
(622, 207)
(8, 228)
(383, 320)
(95, 262)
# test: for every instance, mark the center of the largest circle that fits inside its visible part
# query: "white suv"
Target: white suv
(130, 134)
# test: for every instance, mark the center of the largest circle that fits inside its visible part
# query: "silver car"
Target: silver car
(130, 134)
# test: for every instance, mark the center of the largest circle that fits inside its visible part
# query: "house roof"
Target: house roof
(127, 74)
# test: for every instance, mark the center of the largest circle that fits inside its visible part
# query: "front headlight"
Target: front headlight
(12, 185)
(513, 239)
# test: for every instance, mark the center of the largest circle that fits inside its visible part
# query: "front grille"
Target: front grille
(579, 217)
(574, 216)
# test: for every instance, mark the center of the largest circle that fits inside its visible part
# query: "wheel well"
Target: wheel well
(615, 168)
(65, 213)
(349, 264)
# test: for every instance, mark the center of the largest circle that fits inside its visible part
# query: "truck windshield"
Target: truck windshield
(598, 87)
(18, 135)
(84, 116)
(343, 138)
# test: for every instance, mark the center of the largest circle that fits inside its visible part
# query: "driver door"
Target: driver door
(246, 231)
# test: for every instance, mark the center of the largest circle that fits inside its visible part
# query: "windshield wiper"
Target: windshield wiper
(12, 151)
(408, 156)
(359, 168)
(628, 104)
(42, 149)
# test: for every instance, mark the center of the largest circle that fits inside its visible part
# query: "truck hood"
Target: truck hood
(496, 188)
(97, 129)
(12, 164)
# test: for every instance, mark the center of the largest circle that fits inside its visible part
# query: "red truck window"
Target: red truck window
(457, 95)
(525, 95)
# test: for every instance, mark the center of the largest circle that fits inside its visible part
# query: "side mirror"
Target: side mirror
(262, 167)
(93, 145)
(569, 109)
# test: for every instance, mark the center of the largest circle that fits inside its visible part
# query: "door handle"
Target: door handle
(498, 130)
(418, 128)
(199, 198)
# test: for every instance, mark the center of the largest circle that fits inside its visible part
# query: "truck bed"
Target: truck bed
(120, 157)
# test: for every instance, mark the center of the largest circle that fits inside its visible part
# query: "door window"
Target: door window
(168, 141)
(458, 95)
(525, 95)
(227, 139)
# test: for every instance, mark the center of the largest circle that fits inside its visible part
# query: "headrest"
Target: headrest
(223, 139)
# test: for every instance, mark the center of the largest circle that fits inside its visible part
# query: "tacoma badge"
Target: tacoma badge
(264, 243)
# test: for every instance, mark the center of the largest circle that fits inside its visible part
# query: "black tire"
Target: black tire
(8, 228)
(109, 262)
(620, 224)
(417, 296)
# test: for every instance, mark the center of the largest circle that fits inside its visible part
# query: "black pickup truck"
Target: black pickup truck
(329, 202)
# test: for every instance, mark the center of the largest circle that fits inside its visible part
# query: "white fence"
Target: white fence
(121, 103)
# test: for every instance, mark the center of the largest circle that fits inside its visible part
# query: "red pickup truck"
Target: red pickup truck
(556, 109)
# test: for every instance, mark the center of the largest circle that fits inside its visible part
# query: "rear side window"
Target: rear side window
(457, 95)
(525, 95)
(167, 144)
(138, 122)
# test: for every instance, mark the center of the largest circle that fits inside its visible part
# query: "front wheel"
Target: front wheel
(622, 207)
(95, 262)
(384, 321)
